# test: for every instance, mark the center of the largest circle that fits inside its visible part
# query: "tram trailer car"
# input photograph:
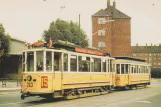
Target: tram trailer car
(53, 73)
(131, 72)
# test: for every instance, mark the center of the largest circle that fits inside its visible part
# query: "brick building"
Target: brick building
(111, 31)
(152, 54)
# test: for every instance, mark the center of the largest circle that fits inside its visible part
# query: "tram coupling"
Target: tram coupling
(23, 96)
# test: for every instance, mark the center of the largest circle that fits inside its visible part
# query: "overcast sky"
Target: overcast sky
(27, 19)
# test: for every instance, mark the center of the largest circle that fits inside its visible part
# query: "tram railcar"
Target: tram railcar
(78, 72)
(53, 73)
(131, 72)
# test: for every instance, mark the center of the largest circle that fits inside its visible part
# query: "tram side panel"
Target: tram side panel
(139, 79)
(81, 80)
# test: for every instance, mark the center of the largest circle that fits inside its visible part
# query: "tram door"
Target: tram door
(58, 70)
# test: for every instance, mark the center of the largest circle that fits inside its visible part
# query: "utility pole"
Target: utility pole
(79, 31)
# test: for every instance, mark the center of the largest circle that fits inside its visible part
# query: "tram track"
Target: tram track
(116, 97)
(106, 99)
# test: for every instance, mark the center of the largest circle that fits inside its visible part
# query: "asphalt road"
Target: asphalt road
(143, 97)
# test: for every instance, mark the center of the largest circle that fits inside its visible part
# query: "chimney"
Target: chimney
(108, 3)
(114, 4)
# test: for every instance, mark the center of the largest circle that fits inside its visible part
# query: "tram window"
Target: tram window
(65, 62)
(147, 70)
(84, 64)
(103, 65)
(122, 69)
(139, 69)
(113, 68)
(132, 70)
(144, 69)
(73, 63)
(23, 62)
(49, 61)
(97, 65)
(30, 61)
(39, 63)
(108, 69)
(57, 58)
(126, 68)
(136, 67)
(118, 68)
(92, 64)
(110, 65)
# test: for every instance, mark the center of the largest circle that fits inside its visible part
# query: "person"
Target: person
(40, 66)
(85, 67)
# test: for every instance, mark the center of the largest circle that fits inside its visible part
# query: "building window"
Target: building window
(101, 20)
(101, 32)
(101, 44)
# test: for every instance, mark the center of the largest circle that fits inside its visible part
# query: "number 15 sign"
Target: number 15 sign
(44, 82)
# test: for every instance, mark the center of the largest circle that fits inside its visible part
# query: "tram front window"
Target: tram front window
(48, 61)
(57, 60)
(30, 61)
(23, 62)
(39, 63)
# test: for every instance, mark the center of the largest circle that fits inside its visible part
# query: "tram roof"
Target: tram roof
(130, 58)
(64, 50)
(70, 47)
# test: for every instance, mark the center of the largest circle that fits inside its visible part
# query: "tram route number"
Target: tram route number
(29, 84)
(44, 82)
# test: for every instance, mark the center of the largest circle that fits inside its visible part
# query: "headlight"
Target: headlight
(29, 78)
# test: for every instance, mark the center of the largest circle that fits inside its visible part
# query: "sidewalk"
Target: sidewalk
(11, 85)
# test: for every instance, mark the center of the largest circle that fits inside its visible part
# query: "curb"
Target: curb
(9, 89)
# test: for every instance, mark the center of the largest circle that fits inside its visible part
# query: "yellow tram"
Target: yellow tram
(53, 73)
(131, 72)
(78, 72)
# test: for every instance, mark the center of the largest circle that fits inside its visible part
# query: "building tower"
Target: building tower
(111, 31)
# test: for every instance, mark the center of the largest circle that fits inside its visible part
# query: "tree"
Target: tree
(4, 42)
(66, 31)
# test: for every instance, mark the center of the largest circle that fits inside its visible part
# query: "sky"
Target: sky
(27, 19)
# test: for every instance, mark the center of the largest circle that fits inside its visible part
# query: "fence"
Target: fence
(5, 82)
